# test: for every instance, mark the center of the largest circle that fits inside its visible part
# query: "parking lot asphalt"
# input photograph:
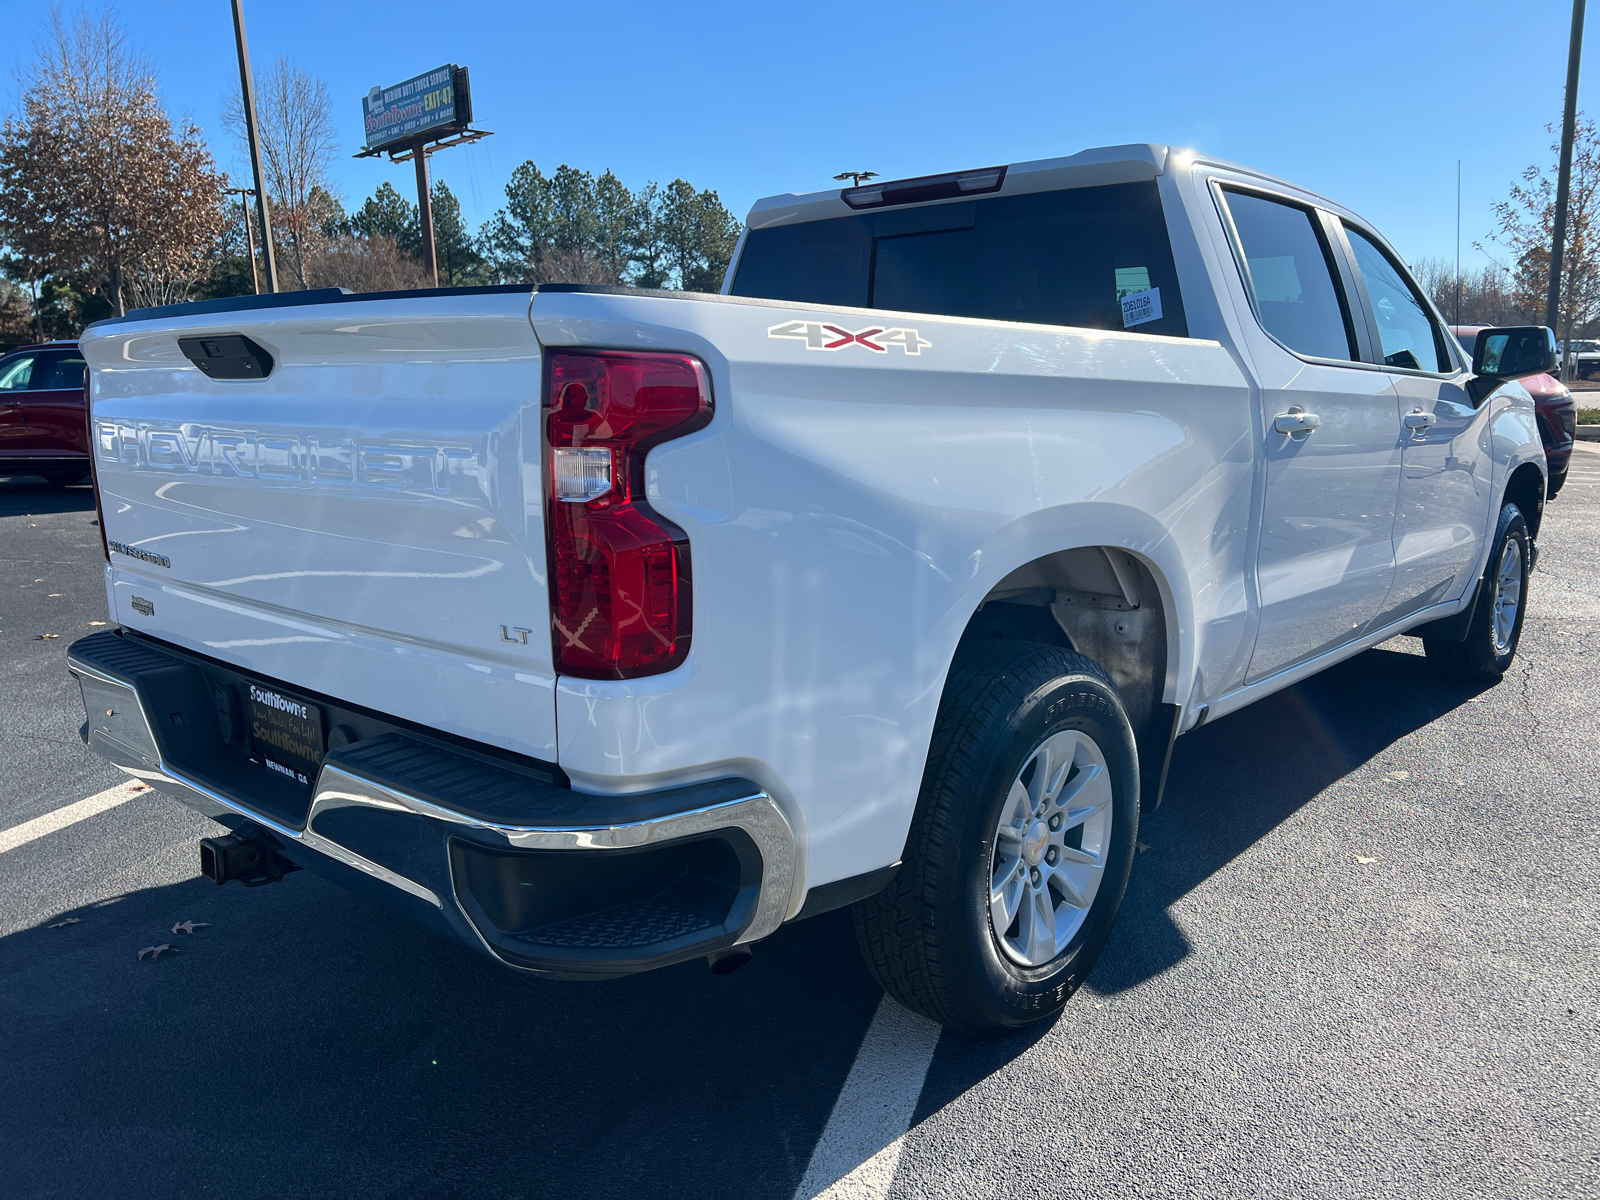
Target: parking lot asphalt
(1358, 958)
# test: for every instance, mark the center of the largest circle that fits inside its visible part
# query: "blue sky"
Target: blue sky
(1370, 103)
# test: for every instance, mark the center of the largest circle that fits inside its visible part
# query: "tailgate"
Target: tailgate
(364, 522)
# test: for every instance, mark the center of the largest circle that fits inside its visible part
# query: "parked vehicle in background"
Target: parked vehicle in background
(1585, 356)
(42, 429)
(1554, 407)
(992, 484)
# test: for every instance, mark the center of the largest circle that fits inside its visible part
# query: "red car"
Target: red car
(43, 428)
(1554, 407)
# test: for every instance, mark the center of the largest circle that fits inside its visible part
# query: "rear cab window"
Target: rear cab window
(1091, 257)
(1288, 268)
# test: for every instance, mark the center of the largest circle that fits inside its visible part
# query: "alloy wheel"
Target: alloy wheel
(1050, 848)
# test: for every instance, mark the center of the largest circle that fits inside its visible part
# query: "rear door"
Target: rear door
(1446, 483)
(52, 407)
(1331, 444)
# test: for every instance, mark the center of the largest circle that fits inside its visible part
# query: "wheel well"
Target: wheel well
(1525, 489)
(1100, 601)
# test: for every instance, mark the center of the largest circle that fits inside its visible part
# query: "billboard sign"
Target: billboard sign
(427, 105)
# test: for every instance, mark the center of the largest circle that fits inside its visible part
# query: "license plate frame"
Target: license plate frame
(287, 732)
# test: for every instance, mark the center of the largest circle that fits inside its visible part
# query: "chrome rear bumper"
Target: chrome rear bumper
(417, 801)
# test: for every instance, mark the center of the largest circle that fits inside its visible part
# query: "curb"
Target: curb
(1587, 433)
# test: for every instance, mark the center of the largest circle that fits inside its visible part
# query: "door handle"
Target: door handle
(1297, 423)
(1416, 420)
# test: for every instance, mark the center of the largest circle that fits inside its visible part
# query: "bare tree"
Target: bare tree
(296, 128)
(1527, 223)
(365, 264)
(95, 183)
(1485, 294)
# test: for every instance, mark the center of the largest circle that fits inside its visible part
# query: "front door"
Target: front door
(1332, 445)
(1445, 485)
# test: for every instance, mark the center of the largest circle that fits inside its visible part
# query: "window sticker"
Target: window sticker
(1131, 280)
(1140, 307)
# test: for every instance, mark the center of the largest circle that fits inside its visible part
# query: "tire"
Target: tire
(1502, 602)
(1047, 720)
(1557, 480)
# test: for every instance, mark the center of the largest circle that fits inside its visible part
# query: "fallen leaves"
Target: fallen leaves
(1140, 846)
(189, 926)
(68, 921)
(45, 637)
(54, 596)
(138, 787)
(156, 952)
(97, 622)
(1363, 861)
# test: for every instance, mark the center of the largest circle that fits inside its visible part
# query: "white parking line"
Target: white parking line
(71, 814)
(855, 1158)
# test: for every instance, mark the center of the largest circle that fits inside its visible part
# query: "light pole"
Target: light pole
(1569, 118)
(855, 176)
(248, 96)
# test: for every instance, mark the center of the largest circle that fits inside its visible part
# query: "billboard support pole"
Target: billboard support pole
(426, 108)
(430, 262)
(248, 96)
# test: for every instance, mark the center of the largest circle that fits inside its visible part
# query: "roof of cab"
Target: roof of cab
(1088, 168)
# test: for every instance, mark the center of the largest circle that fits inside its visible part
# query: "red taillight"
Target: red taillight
(619, 573)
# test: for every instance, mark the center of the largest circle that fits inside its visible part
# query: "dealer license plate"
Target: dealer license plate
(286, 732)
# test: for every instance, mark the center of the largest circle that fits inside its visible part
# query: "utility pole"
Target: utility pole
(249, 237)
(430, 261)
(248, 95)
(1458, 241)
(1569, 120)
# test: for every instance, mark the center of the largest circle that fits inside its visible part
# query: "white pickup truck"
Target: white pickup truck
(603, 629)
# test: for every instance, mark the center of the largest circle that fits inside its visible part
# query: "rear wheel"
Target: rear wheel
(1496, 628)
(1020, 849)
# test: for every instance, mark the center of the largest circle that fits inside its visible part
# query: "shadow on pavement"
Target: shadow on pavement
(1230, 785)
(20, 494)
(308, 1043)
(1233, 782)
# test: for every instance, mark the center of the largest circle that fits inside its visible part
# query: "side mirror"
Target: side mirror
(1514, 352)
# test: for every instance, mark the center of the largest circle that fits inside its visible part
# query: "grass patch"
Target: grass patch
(1589, 416)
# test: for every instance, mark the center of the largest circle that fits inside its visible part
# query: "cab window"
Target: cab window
(1411, 340)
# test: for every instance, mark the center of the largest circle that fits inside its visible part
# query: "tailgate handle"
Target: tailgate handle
(227, 356)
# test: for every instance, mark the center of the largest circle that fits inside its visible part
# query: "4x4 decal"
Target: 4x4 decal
(818, 335)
